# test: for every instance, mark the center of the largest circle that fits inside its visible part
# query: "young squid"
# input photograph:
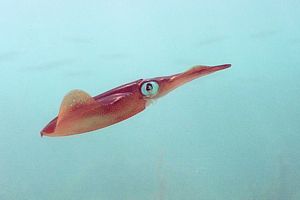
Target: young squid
(80, 113)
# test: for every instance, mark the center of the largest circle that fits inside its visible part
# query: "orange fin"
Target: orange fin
(72, 101)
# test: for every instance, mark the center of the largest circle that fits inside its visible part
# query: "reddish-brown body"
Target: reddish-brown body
(81, 113)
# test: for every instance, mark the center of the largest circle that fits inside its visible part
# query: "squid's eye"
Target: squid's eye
(150, 88)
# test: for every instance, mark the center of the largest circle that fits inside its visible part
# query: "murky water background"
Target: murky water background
(231, 135)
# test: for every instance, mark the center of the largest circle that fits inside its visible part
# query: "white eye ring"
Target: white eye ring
(150, 89)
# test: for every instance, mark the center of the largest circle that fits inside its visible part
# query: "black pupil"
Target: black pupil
(149, 87)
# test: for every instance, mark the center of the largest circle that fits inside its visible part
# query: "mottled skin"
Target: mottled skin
(81, 113)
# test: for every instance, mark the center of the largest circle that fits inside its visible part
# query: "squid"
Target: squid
(79, 112)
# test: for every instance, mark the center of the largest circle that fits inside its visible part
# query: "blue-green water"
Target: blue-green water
(232, 135)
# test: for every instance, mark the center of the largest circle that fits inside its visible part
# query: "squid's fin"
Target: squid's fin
(72, 101)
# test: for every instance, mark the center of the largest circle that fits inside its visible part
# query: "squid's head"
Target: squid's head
(157, 87)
